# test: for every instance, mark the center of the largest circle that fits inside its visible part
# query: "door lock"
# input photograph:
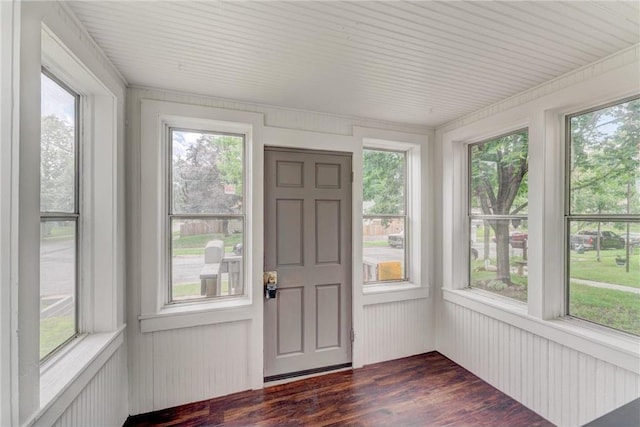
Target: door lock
(270, 279)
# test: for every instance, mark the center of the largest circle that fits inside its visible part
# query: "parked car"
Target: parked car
(634, 239)
(396, 240)
(588, 239)
(516, 239)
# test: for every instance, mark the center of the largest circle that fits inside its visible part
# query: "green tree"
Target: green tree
(498, 179)
(605, 162)
(202, 170)
(383, 182)
(57, 165)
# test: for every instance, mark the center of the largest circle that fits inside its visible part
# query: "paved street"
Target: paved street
(186, 269)
(58, 258)
(378, 254)
(57, 267)
(607, 286)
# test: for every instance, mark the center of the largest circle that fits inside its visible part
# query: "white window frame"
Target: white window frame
(77, 216)
(99, 175)
(470, 217)
(206, 216)
(417, 178)
(568, 216)
(156, 118)
(407, 241)
(100, 269)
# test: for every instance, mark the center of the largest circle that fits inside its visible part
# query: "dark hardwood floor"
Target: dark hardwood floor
(424, 390)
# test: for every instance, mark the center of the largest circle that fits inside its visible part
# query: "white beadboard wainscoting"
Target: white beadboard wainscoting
(396, 329)
(192, 364)
(567, 387)
(103, 402)
(173, 367)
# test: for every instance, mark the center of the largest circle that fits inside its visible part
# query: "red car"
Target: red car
(517, 239)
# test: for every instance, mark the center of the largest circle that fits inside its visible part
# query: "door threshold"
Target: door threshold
(307, 373)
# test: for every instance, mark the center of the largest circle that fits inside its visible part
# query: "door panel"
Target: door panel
(328, 316)
(327, 218)
(308, 242)
(289, 232)
(290, 303)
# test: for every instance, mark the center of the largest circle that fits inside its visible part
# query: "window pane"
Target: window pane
(498, 257)
(207, 258)
(58, 148)
(604, 273)
(605, 160)
(384, 182)
(383, 249)
(207, 173)
(499, 175)
(57, 284)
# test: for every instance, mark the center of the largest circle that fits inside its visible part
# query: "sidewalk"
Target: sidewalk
(607, 286)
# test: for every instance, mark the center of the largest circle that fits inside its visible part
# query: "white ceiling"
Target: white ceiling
(414, 62)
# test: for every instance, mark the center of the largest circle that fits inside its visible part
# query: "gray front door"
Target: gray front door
(308, 242)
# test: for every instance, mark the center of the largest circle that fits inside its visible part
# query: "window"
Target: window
(59, 215)
(386, 234)
(206, 214)
(498, 215)
(603, 215)
(198, 198)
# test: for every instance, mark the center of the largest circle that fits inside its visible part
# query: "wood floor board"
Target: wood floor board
(423, 390)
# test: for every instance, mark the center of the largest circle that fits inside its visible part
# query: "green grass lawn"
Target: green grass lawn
(375, 243)
(194, 245)
(584, 266)
(617, 309)
(193, 289)
(186, 290)
(54, 331)
(54, 234)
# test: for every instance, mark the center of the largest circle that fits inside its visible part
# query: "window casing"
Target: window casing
(386, 224)
(497, 219)
(60, 215)
(206, 220)
(602, 215)
(157, 117)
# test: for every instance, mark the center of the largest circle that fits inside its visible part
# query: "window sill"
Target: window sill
(64, 376)
(381, 293)
(186, 315)
(617, 348)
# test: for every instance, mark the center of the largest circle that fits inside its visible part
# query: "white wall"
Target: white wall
(563, 369)
(8, 84)
(25, 399)
(176, 366)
